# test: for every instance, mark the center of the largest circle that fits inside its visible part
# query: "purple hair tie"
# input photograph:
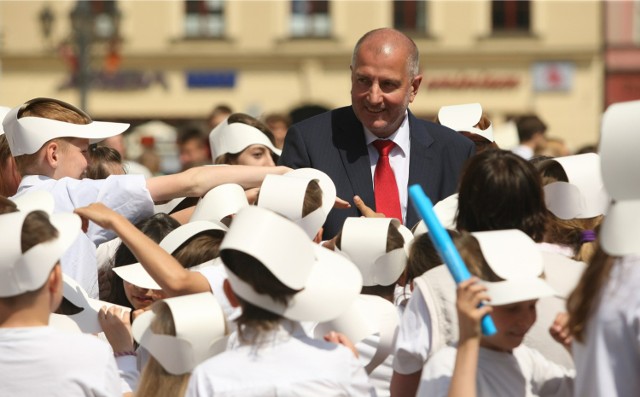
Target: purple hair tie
(588, 236)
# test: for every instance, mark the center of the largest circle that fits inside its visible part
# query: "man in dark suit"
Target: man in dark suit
(385, 78)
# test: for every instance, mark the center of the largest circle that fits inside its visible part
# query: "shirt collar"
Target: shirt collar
(400, 137)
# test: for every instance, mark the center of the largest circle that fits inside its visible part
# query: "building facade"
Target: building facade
(175, 60)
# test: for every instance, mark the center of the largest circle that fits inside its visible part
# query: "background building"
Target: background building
(175, 60)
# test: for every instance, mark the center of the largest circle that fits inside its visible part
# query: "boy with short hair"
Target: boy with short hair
(35, 359)
(50, 140)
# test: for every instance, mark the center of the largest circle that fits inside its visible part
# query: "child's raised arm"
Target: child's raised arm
(161, 266)
(470, 295)
(197, 181)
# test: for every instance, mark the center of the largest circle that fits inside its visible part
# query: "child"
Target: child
(104, 161)
(50, 140)
(36, 360)
(279, 278)
(179, 333)
(605, 307)
(243, 140)
(509, 266)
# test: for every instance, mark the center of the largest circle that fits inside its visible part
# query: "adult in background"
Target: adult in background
(346, 143)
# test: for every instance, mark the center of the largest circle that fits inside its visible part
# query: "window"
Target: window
(510, 15)
(410, 16)
(310, 18)
(204, 18)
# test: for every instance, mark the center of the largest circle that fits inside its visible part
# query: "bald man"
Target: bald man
(385, 78)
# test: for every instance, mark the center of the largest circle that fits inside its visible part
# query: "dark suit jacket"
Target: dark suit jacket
(334, 143)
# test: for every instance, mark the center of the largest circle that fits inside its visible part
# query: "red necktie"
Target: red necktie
(384, 182)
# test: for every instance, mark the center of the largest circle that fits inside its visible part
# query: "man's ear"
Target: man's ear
(231, 296)
(415, 84)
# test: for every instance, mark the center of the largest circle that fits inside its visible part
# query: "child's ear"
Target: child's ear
(228, 291)
(52, 150)
(55, 287)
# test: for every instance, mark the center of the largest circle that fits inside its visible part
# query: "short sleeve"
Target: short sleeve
(436, 375)
(414, 336)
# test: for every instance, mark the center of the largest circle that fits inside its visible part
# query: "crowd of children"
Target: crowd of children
(105, 292)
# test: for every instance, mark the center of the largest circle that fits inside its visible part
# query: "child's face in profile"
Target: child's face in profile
(73, 158)
(513, 321)
(141, 298)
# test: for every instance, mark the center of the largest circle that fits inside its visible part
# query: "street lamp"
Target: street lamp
(82, 22)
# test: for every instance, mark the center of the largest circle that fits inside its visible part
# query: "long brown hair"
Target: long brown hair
(584, 299)
(155, 381)
(9, 176)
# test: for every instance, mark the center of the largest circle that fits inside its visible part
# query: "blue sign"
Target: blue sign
(211, 79)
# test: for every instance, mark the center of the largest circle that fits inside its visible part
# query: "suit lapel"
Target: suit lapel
(348, 136)
(424, 166)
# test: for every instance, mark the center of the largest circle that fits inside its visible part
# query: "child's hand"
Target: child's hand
(99, 214)
(252, 195)
(559, 330)
(341, 339)
(116, 324)
(366, 211)
(470, 294)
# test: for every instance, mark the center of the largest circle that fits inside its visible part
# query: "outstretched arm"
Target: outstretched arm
(163, 268)
(197, 181)
(470, 294)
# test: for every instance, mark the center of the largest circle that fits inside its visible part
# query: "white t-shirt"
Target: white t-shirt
(215, 275)
(421, 334)
(380, 377)
(41, 361)
(125, 194)
(524, 373)
(285, 362)
(608, 364)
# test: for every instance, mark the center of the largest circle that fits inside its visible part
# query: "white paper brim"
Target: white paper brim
(220, 202)
(35, 200)
(136, 274)
(179, 236)
(28, 134)
(513, 291)
(620, 231)
(334, 282)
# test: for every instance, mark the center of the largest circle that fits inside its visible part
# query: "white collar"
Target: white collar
(401, 137)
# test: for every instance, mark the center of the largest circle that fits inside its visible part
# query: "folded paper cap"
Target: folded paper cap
(328, 282)
(35, 200)
(26, 135)
(620, 163)
(464, 118)
(514, 257)
(220, 202)
(200, 332)
(137, 275)
(364, 242)
(87, 318)
(445, 211)
(24, 272)
(235, 137)
(285, 194)
(584, 196)
(3, 112)
(368, 315)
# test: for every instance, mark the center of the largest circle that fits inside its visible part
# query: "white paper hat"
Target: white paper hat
(285, 195)
(137, 275)
(464, 118)
(34, 200)
(445, 211)
(584, 196)
(514, 257)
(220, 202)
(368, 315)
(87, 319)
(364, 242)
(200, 330)
(328, 282)
(620, 162)
(235, 137)
(26, 135)
(20, 273)
(3, 112)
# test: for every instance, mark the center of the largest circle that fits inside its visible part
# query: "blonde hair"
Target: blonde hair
(155, 381)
